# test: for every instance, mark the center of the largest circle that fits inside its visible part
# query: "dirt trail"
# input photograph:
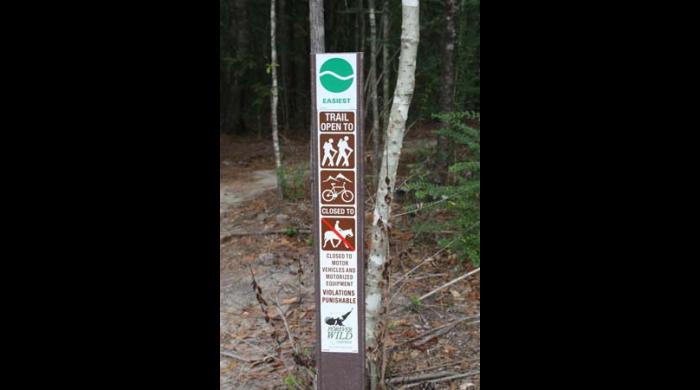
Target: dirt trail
(246, 187)
(281, 263)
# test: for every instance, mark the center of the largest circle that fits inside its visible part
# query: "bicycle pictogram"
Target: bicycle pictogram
(337, 187)
(330, 195)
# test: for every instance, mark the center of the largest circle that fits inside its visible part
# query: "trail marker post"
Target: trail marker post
(338, 201)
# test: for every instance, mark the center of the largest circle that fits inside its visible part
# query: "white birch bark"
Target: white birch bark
(393, 141)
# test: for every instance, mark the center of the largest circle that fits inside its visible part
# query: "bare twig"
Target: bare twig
(449, 364)
(447, 378)
(440, 330)
(419, 378)
(259, 348)
(244, 360)
(450, 283)
(286, 325)
(420, 207)
(428, 276)
(435, 334)
(423, 262)
(231, 235)
(239, 358)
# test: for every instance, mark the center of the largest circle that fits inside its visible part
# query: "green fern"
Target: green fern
(460, 199)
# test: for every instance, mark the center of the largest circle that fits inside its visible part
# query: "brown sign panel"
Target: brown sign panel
(338, 234)
(335, 211)
(336, 121)
(337, 151)
(337, 187)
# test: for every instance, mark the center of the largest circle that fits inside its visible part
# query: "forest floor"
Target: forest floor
(267, 239)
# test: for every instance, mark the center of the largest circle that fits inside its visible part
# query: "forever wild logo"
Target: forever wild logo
(336, 75)
(337, 330)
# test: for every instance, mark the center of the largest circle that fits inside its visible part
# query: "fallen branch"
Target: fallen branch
(450, 283)
(447, 378)
(435, 332)
(239, 358)
(423, 262)
(262, 233)
(420, 207)
(449, 364)
(244, 360)
(279, 231)
(406, 282)
(419, 378)
(286, 326)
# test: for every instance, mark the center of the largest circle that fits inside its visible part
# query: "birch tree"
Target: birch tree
(274, 102)
(373, 87)
(393, 141)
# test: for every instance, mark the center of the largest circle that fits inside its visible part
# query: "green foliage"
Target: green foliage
(295, 181)
(429, 62)
(291, 381)
(459, 201)
(268, 67)
(415, 302)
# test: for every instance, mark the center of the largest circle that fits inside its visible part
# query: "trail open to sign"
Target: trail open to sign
(334, 121)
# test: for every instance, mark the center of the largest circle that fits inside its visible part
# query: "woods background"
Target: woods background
(245, 58)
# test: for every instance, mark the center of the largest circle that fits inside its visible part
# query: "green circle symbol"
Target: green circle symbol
(336, 75)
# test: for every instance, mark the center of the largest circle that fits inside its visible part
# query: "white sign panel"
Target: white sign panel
(336, 91)
(336, 81)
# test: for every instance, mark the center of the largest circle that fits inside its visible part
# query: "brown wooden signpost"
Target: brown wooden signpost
(338, 188)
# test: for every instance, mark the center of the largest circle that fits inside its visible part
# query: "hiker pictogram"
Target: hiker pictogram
(338, 234)
(337, 151)
(344, 151)
(328, 153)
(337, 187)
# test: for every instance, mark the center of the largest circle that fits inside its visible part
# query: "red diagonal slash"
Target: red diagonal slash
(338, 234)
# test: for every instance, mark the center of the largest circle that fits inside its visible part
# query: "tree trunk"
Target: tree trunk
(357, 27)
(448, 56)
(361, 15)
(317, 44)
(373, 87)
(317, 34)
(274, 101)
(386, 67)
(284, 64)
(236, 124)
(393, 141)
(448, 83)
